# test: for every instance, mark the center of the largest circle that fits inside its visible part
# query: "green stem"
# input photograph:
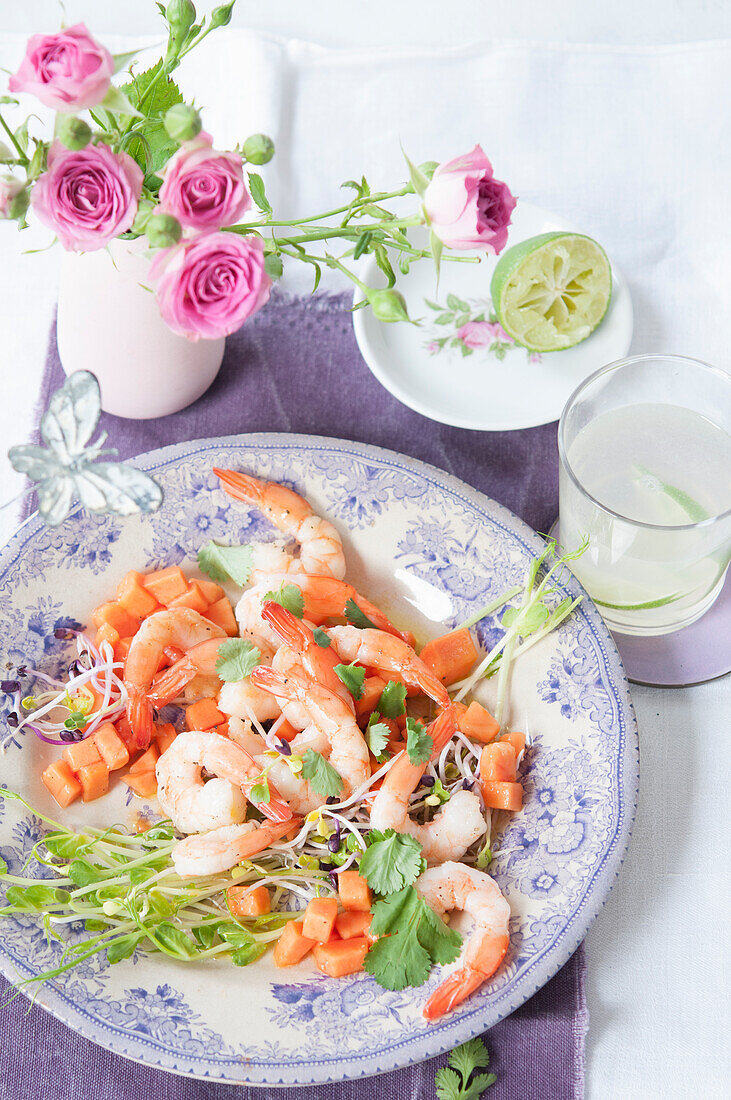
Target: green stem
(21, 155)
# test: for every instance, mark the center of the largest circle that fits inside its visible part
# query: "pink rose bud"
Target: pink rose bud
(10, 190)
(202, 188)
(480, 334)
(466, 206)
(87, 196)
(68, 71)
(207, 287)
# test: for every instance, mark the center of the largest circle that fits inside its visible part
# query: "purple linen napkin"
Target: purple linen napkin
(295, 367)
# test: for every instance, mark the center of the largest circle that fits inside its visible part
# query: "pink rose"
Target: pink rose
(68, 71)
(466, 206)
(88, 196)
(480, 334)
(9, 189)
(207, 287)
(202, 188)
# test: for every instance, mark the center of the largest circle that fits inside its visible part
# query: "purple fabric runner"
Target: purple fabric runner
(296, 368)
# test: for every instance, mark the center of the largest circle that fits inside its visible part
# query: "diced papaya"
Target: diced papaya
(478, 724)
(222, 614)
(144, 784)
(222, 729)
(372, 689)
(165, 734)
(94, 780)
(254, 904)
(108, 634)
(166, 584)
(319, 919)
(212, 592)
(81, 753)
(115, 616)
(502, 796)
(292, 945)
(146, 762)
(134, 597)
(354, 892)
(517, 740)
(203, 715)
(341, 957)
(121, 649)
(285, 731)
(351, 924)
(497, 763)
(450, 657)
(111, 747)
(192, 598)
(61, 783)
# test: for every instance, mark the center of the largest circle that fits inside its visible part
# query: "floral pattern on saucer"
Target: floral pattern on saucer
(467, 326)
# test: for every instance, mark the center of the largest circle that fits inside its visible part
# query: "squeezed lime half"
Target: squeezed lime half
(550, 292)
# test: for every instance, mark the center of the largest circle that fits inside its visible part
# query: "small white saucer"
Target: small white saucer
(496, 386)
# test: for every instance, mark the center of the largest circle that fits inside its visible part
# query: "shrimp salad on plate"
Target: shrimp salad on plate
(321, 787)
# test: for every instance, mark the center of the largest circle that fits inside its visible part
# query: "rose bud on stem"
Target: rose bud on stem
(163, 230)
(258, 149)
(388, 305)
(73, 132)
(182, 123)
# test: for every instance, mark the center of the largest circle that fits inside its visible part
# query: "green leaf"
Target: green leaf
(321, 775)
(249, 953)
(206, 935)
(436, 247)
(525, 620)
(64, 845)
(150, 143)
(237, 659)
(478, 1085)
(469, 1056)
(174, 941)
(356, 617)
(444, 319)
(290, 597)
(122, 60)
(484, 856)
(419, 181)
(321, 637)
(439, 791)
(117, 103)
(353, 676)
(447, 1084)
(395, 965)
(222, 563)
(123, 946)
(393, 700)
(413, 937)
(3, 867)
(362, 245)
(391, 861)
(83, 873)
(35, 899)
(419, 745)
(377, 735)
(258, 194)
(235, 935)
(456, 303)
(433, 305)
(441, 941)
(260, 792)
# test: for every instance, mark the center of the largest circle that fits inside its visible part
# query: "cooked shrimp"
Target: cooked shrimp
(195, 806)
(221, 849)
(324, 598)
(457, 826)
(181, 627)
(318, 662)
(390, 655)
(456, 886)
(297, 791)
(330, 716)
(321, 548)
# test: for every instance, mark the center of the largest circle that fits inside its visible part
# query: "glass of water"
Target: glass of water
(645, 481)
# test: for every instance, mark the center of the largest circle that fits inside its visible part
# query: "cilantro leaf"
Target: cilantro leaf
(436, 937)
(395, 965)
(447, 1084)
(454, 1083)
(391, 861)
(377, 735)
(419, 745)
(237, 659)
(393, 700)
(469, 1056)
(478, 1085)
(353, 676)
(321, 775)
(222, 563)
(356, 617)
(413, 937)
(321, 637)
(290, 597)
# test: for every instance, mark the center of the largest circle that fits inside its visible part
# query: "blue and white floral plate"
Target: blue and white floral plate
(430, 550)
(457, 365)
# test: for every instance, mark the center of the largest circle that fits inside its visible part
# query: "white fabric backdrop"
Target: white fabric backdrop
(630, 144)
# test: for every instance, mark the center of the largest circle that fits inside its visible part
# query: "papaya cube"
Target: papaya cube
(450, 657)
(106, 633)
(81, 754)
(111, 747)
(192, 598)
(354, 891)
(372, 689)
(166, 584)
(61, 782)
(292, 945)
(165, 734)
(478, 724)
(115, 615)
(144, 784)
(146, 762)
(253, 904)
(319, 919)
(203, 715)
(350, 925)
(212, 592)
(134, 597)
(222, 614)
(341, 957)
(94, 780)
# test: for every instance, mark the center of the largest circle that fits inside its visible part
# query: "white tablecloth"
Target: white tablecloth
(630, 143)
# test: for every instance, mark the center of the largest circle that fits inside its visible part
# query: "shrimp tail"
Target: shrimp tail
(286, 626)
(442, 730)
(140, 716)
(241, 486)
(457, 988)
(169, 684)
(268, 679)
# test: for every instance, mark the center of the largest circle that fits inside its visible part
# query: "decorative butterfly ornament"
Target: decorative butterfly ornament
(67, 469)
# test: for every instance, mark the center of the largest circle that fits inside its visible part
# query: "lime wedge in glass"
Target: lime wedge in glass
(550, 292)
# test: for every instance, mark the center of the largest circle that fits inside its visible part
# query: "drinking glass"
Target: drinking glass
(645, 481)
